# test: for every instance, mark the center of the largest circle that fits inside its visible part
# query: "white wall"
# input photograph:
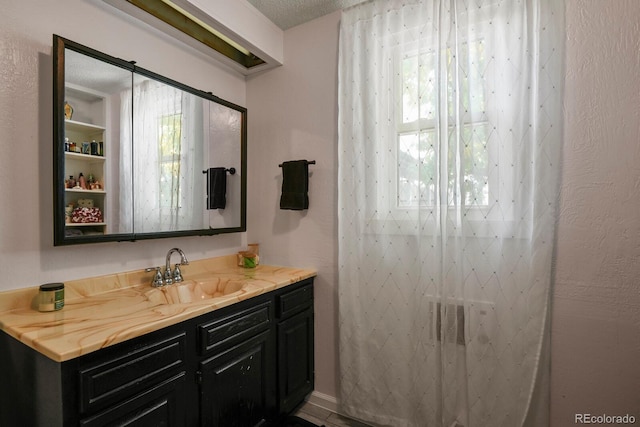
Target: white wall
(292, 116)
(596, 314)
(27, 255)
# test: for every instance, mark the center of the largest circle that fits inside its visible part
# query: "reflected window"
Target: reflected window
(166, 156)
(169, 151)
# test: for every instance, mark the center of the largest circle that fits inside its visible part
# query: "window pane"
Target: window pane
(465, 71)
(169, 146)
(170, 135)
(475, 69)
(168, 177)
(427, 86)
(417, 169)
(475, 186)
(410, 89)
(418, 87)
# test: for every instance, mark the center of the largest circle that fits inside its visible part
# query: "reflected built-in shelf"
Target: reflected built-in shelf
(73, 125)
(82, 190)
(86, 157)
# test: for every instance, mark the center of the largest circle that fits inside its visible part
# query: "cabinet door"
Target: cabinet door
(237, 385)
(162, 405)
(295, 360)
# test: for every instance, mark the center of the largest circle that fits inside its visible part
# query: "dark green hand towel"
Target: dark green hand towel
(295, 185)
(216, 188)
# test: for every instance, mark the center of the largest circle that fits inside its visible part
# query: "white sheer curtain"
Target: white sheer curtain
(165, 159)
(450, 133)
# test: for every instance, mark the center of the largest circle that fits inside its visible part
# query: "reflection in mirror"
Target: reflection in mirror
(136, 145)
(166, 154)
(93, 195)
(225, 133)
(176, 136)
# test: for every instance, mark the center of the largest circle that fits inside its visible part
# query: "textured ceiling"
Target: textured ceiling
(289, 13)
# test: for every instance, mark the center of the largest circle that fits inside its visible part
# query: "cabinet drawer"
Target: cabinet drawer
(111, 380)
(242, 325)
(294, 301)
(160, 405)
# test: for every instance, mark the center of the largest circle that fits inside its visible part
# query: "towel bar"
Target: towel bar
(310, 162)
(232, 171)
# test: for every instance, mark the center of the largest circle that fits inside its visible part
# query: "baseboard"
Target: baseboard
(323, 401)
(330, 403)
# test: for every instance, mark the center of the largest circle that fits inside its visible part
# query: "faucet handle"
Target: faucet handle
(157, 278)
(177, 274)
(168, 276)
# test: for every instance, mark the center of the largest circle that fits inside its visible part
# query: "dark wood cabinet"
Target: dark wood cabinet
(245, 365)
(236, 385)
(295, 347)
(143, 381)
(236, 373)
(295, 360)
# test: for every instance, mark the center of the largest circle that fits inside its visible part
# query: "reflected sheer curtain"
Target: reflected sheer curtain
(166, 124)
(450, 134)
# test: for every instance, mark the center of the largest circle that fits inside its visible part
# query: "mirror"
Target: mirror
(140, 156)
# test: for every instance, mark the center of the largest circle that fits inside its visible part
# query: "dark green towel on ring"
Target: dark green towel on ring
(216, 188)
(295, 185)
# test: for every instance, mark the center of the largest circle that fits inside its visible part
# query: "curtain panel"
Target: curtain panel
(450, 135)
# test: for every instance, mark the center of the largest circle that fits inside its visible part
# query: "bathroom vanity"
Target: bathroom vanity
(126, 356)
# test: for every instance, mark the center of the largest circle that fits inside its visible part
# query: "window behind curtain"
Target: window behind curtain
(418, 121)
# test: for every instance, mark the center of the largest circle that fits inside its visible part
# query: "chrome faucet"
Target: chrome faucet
(176, 276)
(169, 276)
(157, 278)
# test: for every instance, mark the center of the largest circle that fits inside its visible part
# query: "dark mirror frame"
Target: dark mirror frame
(60, 239)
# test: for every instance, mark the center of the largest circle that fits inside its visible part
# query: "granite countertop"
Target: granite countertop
(106, 310)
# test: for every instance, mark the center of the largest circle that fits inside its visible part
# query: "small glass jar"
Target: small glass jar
(51, 297)
(249, 260)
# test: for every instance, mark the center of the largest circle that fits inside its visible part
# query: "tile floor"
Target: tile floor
(321, 416)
